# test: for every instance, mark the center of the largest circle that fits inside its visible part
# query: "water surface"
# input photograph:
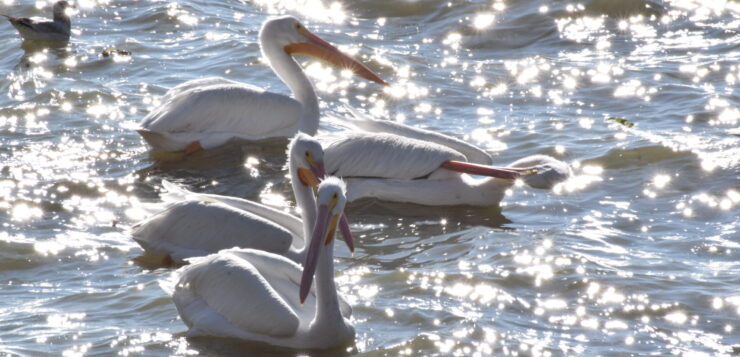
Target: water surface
(637, 254)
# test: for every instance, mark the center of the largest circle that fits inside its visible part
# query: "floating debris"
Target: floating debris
(113, 51)
(622, 121)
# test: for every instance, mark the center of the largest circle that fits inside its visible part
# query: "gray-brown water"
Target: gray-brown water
(638, 254)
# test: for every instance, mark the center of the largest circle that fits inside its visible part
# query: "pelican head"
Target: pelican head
(307, 155)
(543, 171)
(330, 206)
(288, 33)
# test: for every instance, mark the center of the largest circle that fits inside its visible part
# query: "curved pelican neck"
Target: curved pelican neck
(293, 76)
(328, 315)
(307, 203)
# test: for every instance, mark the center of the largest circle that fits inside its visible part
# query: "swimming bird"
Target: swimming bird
(40, 29)
(201, 224)
(206, 113)
(259, 296)
(400, 163)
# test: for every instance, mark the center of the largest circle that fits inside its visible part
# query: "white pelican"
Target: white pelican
(40, 29)
(201, 224)
(395, 162)
(205, 113)
(258, 296)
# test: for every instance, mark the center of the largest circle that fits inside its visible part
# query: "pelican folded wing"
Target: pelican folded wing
(266, 264)
(220, 282)
(225, 109)
(387, 156)
(193, 227)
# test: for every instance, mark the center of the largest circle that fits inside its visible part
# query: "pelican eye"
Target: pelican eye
(301, 29)
(333, 201)
(309, 158)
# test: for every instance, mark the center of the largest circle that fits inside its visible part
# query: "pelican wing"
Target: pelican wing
(547, 171)
(222, 107)
(192, 228)
(287, 221)
(471, 152)
(224, 295)
(386, 156)
(287, 280)
(201, 82)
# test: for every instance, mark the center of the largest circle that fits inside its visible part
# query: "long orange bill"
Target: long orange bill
(332, 229)
(308, 177)
(320, 172)
(483, 170)
(347, 233)
(316, 47)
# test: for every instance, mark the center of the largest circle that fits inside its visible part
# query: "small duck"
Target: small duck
(40, 29)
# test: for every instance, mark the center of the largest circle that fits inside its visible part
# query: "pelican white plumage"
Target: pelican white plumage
(395, 162)
(206, 113)
(201, 224)
(258, 296)
(41, 29)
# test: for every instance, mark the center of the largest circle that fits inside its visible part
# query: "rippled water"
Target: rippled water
(637, 254)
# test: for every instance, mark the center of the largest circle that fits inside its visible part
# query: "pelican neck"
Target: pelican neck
(307, 203)
(328, 313)
(291, 73)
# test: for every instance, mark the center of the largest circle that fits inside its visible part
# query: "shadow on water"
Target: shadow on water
(210, 346)
(58, 49)
(373, 211)
(620, 158)
(271, 152)
(154, 262)
(238, 168)
(625, 8)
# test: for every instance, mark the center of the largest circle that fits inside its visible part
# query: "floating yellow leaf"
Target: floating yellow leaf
(622, 121)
